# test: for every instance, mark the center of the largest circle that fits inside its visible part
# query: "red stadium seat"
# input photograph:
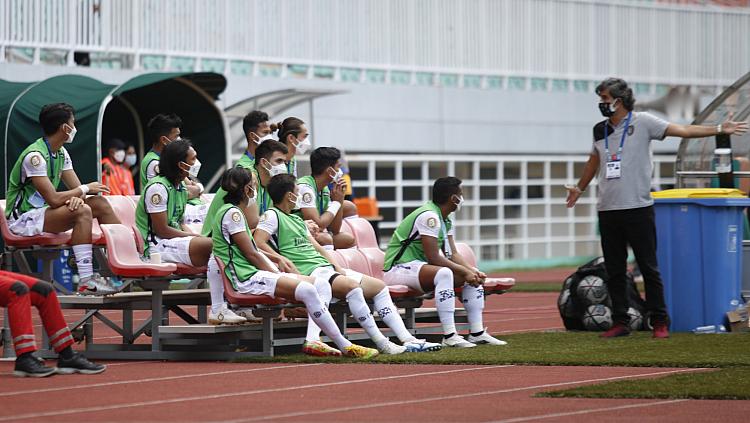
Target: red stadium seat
(355, 260)
(338, 259)
(123, 257)
(375, 257)
(237, 298)
(467, 253)
(124, 208)
(346, 228)
(44, 239)
(498, 285)
(363, 232)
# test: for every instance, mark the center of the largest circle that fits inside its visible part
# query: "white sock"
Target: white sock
(473, 299)
(215, 286)
(359, 309)
(85, 263)
(323, 288)
(389, 313)
(445, 300)
(319, 313)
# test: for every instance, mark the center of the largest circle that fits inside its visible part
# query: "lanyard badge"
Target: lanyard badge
(614, 161)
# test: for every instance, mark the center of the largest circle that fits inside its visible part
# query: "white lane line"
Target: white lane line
(590, 410)
(447, 397)
(244, 393)
(155, 379)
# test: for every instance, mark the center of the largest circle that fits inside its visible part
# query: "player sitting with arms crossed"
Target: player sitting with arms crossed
(293, 241)
(413, 259)
(251, 273)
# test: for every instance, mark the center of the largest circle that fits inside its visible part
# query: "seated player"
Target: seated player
(161, 206)
(293, 241)
(251, 273)
(18, 293)
(34, 205)
(256, 128)
(321, 204)
(413, 259)
(293, 133)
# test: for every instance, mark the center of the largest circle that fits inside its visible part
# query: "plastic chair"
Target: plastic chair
(123, 257)
(363, 232)
(124, 208)
(375, 257)
(44, 239)
(356, 261)
(237, 298)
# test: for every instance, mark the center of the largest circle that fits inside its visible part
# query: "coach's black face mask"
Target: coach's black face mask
(607, 109)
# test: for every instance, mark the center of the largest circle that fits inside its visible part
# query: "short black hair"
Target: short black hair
(618, 88)
(174, 153)
(266, 150)
(280, 185)
(53, 115)
(323, 157)
(251, 121)
(233, 181)
(161, 125)
(116, 143)
(444, 188)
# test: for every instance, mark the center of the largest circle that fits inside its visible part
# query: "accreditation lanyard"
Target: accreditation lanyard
(51, 159)
(446, 245)
(618, 157)
(320, 203)
(263, 199)
(249, 156)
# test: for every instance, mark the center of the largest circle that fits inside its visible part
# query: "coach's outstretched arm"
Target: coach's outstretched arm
(588, 174)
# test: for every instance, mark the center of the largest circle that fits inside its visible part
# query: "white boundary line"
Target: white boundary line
(590, 410)
(447, 397)
(244, 393)
(155, 379)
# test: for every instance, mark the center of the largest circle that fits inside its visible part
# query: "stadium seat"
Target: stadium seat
(338, 259)
(123, 257)
(236, 298)
(44, 239)
(356, 260)
(346, 228)
(124, 208)
(467, 253)
(363, 232)
(375, 257)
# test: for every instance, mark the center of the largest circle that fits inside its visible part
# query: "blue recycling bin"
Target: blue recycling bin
(699, 249)
(61, 271)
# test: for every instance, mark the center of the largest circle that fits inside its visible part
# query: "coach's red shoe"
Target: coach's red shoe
(617, 330)
(661, 330)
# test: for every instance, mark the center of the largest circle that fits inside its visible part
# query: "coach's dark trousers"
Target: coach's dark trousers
(634, 227)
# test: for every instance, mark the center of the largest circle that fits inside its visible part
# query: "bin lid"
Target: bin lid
(699, 193)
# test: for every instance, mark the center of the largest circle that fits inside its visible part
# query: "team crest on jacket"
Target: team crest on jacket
(306, 197)
(236, 217)
(431, 222)
(155, 199)
(36, 160)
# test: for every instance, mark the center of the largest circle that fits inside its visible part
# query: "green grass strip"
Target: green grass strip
(730, 383)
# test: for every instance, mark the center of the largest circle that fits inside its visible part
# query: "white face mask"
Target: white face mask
(71, 134)
(119, 156)
(458, 200)
(252, 199)
(303, 146)
(336, 175)
(261, 140)
(130, 159)
(194, 169)
(179, 138)
(296, 202)
(278, 169)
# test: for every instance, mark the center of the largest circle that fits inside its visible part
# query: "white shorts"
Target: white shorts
(30, 223)
(194, 214)
(405, 274)
(174, 250)
(326, 272)
(261, 283)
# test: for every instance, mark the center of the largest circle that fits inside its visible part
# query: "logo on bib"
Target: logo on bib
(236, 217)
(307, 197)
(36, 161)
(155, 199)
(431, 222)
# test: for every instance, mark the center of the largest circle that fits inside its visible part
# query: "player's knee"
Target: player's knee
(344, 240)
(83, 213)
(19, 288)
(350, 209)
(305, 292)
(42, 288)
(350, 284)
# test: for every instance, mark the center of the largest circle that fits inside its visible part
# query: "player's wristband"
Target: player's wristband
(719, 129)
(334, 207)
(84, 189)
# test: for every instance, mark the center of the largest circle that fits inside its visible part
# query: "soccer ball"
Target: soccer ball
(597, 318)
(565, 305)
(568, 282)
(636, 319)
(592, 290)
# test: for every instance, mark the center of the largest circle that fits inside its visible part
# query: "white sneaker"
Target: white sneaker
(96, 285)
(485, 338)
(225, 316)
(388, 347)
(457, 341)
(247, 313)
(421, 345)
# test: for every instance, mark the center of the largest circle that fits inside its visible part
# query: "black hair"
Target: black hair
(169, 162)
(280, 185)
(617, 88)
(116, 143)
(161, 125)
(234, 181)
(266, 150)
(53, 115)
(251, 121)
(323, 157)
(444, 189)
(290, 126)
